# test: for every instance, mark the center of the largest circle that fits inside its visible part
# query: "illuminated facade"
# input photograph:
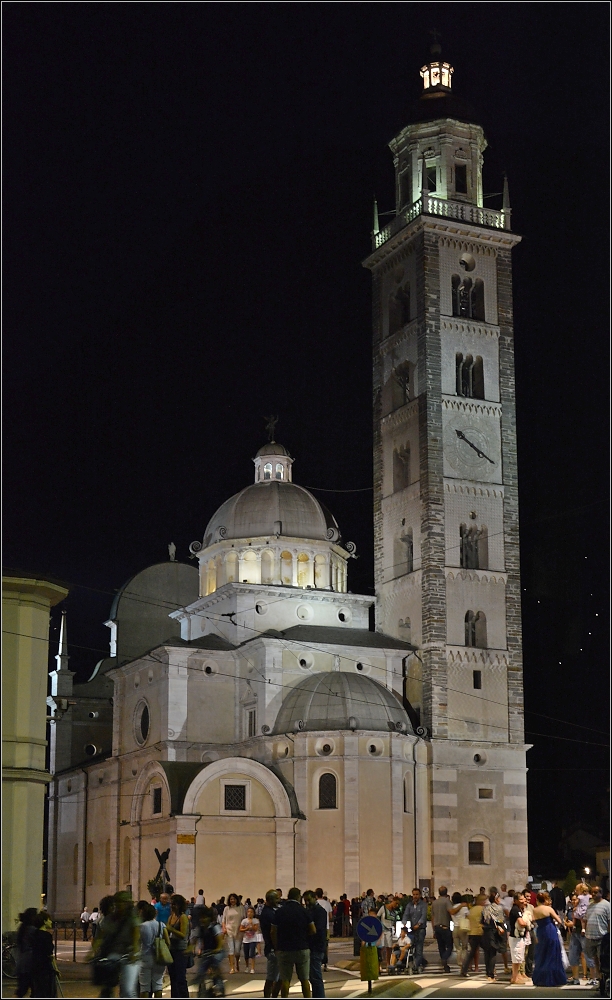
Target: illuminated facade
(254, 714)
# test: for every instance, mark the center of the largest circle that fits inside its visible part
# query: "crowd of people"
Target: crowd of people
(133, 944)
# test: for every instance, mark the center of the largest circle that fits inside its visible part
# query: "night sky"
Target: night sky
(187, 202)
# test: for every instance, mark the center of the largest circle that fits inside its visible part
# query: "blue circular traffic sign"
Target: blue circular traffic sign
(369, 929)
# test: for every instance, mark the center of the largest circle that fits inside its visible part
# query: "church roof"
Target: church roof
(257, 509)
(340, 700)
(324, 634)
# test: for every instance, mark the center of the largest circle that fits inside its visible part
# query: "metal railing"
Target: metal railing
(430, 205)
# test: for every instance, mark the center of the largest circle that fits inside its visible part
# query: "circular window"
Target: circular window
(90, 749)
(261, 607)
(142, 722)
(480, 758)
(375, 748)
(304, 612)
(345, 616)
(359, 666)
(210, 668)
(306, 661)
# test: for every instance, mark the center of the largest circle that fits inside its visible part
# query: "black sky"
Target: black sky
(187, 202)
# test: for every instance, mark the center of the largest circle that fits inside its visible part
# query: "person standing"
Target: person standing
(85, 915)
(493, 932)
(151, 974)
(416, 914)
(272, 983)
(178, 931)
(317, 943)
(118, 938)
(387, 916)
(326, 905)
(576, 942)
(23, 946)
(461, 927)
(290, 930)
(441, 912)
(597, 925)
(233, 915)
(548, 969)
(249, 928)
(163, 908)
(44, 969)
(93, 920)
(199, 900)
(518, 938)
(557, 899)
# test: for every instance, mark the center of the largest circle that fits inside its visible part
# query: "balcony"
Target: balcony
(458, 210)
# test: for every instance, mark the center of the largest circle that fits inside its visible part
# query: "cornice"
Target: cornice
(393, 341)
(475, 575)
(495, 238)
(488, 657)
(399, 499)
(468, 489)
(462, 405)
(455, 325)
(400, 416)
(400, 584)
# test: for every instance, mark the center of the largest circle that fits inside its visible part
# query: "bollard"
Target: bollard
(74, 940)
(369, 964)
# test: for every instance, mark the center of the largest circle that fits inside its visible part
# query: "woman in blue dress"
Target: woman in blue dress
(548, 969)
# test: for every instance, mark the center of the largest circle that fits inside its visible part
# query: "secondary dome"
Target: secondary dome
(272, 507)
(340, 700)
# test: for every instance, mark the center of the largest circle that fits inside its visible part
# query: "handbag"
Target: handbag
(162, 951)
(464, 924)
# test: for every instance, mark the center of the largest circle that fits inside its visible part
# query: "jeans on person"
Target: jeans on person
(444, 937)
(316, 975)
(490, 952)
(474, 943)
(177, 971)
(418, 940)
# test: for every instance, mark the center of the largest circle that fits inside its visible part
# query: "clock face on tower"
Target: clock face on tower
(471, 451)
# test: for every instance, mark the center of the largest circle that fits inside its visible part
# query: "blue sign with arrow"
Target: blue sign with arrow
(369, 929)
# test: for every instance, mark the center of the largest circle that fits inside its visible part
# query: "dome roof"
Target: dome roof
(340, 700)
(257, 509)
(273, 448)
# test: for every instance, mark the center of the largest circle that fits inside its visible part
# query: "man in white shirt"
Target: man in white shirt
(85, 915)
(325, 903)
(507, 900)
(200, 898)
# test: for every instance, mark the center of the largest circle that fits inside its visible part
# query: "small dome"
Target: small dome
(273, 448)
(340, 700)
(257, 510)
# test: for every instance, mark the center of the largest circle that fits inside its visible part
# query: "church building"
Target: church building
(247, 719)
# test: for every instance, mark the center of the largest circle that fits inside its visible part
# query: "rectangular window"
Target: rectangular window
(432, 178)
(251, 722)
(235, 797)
(460, 178)
(476, 852)
(485, 793)
(405, 188)
(477, 679)
(157, 800)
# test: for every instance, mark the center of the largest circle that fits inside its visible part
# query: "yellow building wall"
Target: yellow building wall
(26, 604)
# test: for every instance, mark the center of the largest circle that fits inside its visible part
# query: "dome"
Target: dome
(340, 700)
(257, 510)
(273, 448)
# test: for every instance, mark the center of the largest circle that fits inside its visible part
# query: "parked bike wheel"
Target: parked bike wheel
(9, 962)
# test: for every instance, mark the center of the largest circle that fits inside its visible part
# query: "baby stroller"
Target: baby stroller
(604, 966)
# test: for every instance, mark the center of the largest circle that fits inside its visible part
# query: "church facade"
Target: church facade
(247, 719)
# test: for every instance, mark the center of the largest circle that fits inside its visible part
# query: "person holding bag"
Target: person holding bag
(494, 936)
(154, 952)
(115, 952)
(178, 929)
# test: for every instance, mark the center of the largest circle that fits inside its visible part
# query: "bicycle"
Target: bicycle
(9, 958)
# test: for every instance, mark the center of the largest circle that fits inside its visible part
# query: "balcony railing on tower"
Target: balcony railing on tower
(429, 205)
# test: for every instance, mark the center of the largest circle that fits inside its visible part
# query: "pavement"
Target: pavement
(340, 982)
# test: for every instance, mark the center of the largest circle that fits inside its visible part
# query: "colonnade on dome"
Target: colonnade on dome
(284, 562)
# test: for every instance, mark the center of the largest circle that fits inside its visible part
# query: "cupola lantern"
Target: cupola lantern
(436, 75)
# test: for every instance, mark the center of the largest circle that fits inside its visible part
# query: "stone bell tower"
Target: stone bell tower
(445, 481)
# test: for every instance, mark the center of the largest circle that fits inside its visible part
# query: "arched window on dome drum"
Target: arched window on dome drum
(328, 798)
(211, 577)
(280, 472)
(287, 569)
(304, 570)
(321, 572)
(220, 571)
(231, 567)
(249, 568)
(267, 566)
(268, 470)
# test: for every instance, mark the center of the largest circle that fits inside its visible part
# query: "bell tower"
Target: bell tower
(445, 480)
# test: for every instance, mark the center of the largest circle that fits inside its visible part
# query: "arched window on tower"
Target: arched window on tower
(399, 308)
(328, 798)
(468, 297)
(280, 472)
(480, 630)
(478, 305)
(402, 390)
(402, 554)
(401, 467)
(470, 629)
(405, 629)
(268, 470)
(474, 549)
(469, 376)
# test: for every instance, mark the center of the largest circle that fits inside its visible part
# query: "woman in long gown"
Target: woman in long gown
(548, 969)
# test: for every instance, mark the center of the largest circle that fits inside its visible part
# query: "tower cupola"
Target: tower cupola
(273, 461)
(437, 75)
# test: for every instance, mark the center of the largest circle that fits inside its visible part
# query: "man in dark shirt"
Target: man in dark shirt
(557, 899)
(416, 913)
(290, 930)
(272, 983)
(442, 910)
(317, 943)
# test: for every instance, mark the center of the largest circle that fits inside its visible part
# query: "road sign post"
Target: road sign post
(369, 930)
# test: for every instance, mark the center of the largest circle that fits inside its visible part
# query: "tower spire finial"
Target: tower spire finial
(62, 656)
(376, 228)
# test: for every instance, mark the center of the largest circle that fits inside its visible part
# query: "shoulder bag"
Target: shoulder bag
(162, 951)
